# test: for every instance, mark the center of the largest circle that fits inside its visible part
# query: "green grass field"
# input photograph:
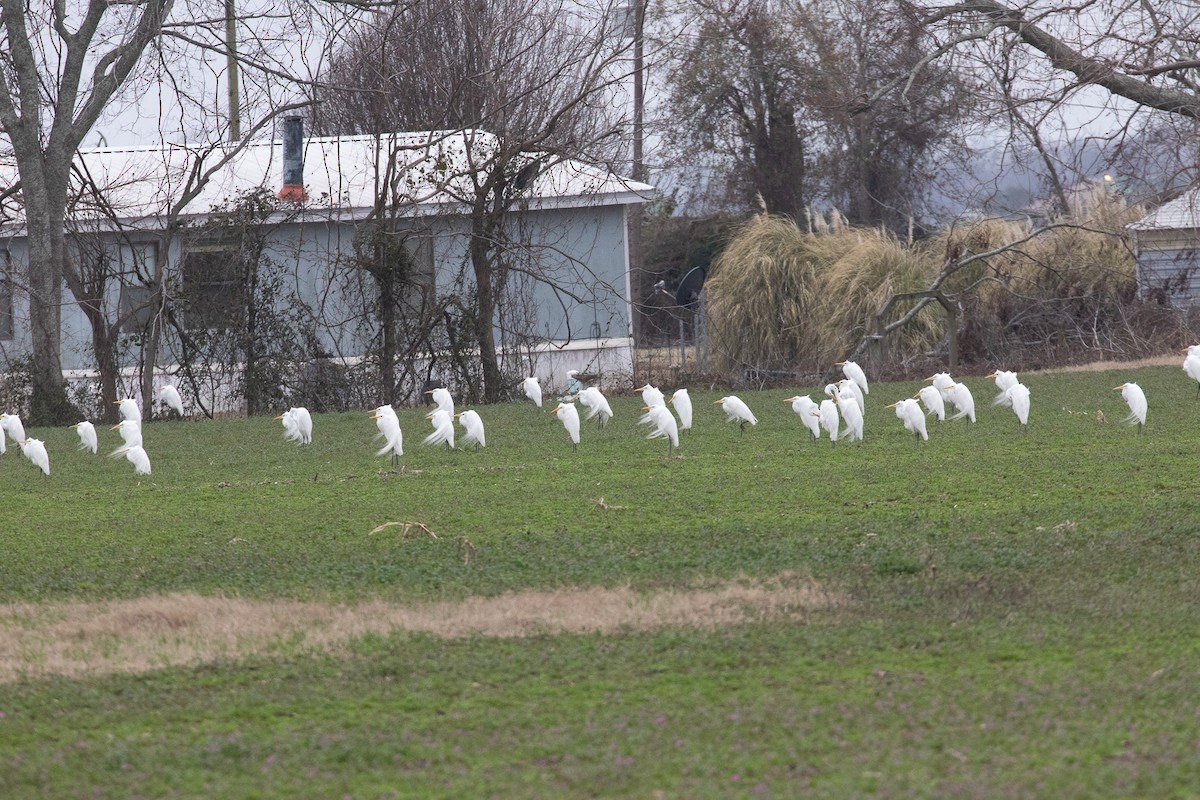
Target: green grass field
(1013, 614)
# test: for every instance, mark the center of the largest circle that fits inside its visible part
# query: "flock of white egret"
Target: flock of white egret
(839, 415)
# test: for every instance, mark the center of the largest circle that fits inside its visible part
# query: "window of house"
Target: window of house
(212, 289)
(8, 328)
(135, 308)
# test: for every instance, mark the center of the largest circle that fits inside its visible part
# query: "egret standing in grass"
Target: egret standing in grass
(808, 412)
(1191, 365)
(170, 395)
(35, 451)
(855, 373)
(909, 412)
(652, 396)
(297, 425)
(847, 402)
(128, 409)
(443, 400)
(1004, 381)
(136, 454)
(596, 404)
(1136, 399)
(847, 385)
(569, 415)
(532, 389)
(11, 424)
(736, 411)
(827, 415)
(961, 398)
(663, 422)
(931, 398)
(130, 431)
(683, 407)
(443, 428)
(1018, 399)
(389, 428)
(87, 436)
(473, 425)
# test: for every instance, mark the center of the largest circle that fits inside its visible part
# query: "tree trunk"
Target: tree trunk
(485, 310)
(49, 404)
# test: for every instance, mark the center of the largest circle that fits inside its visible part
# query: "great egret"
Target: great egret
(855, 373)
(1136, 399)
(297, 425)
(87, 436)
(909, 412)
(596, 404)
(389, 428)
(1191, 365)
(961, 398)
(473, 424)
(130, 430)
(11, 423)
(652, 396)
(847, 402)
(1004, 381)
(1018, 399)
(170, 395)
(569, 416)
(808, 412)
(736, 411)
(827, 415)
(136, 455)
(443, 399)
(682, 401)
(35, 451)
(664, 425)
(847, 385)
(3, 437)
(931, 398)
(532, 389)
(128, 408)
(443, 428)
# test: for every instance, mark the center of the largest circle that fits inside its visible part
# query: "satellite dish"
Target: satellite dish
(689, 288)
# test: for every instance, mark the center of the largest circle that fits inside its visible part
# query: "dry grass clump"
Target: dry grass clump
(782, 300)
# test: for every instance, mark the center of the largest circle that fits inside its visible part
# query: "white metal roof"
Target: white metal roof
(1180, 213)
(431, 174)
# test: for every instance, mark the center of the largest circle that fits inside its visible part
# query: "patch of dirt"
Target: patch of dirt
(1104, 366)
(87, 639)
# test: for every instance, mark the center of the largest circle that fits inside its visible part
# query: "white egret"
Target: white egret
(35, 451)
(443, 399)
(297, 425)
(170, 395)
(909, 412)
(1018, 399)
(3, 438)
(130, 430)
(473, 424)
(1191, 365)
(942, 382)
(736, 411)
(1004, 381)
(652, 396)
(847, 403)
(11, 423)
(931, 398)
(855, 391)
(532, 389)
(855, 373)
(129, 410)
(682, 401)
(808, 412)
(87, 436)
(961, 398)
(443, 428)
(137, 456)
(1136, 399)
(570, 420)
(664, 425)
(596, 404)
(827, 415)
(389, 428)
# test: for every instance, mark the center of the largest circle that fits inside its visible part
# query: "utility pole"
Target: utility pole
(231, 72)
(638, 282)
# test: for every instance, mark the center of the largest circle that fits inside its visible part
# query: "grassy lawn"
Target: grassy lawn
(1016, 613)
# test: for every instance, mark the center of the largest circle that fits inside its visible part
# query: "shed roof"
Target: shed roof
(427, 172)
(1181, 213)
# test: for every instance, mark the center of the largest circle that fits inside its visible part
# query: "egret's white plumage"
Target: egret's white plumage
(443, 428)
(3, 437)
(1191, 365)
(1018, 398)
(128, 408)
(652, 396)
(1136, 399)
(473, 425)
(909, 412)
(532, 389)
(809, 413)
(1004, 381)
(35, 451)
(942, 382)
(443, 399)
(855, 373)
(389, 428)
(170, 395)
(87, 436)
(682, 401)
(852, 413)
(664, 426)
(855, 391)
(961, 398)
(827, 415)
(130, 430)
(931, 398)
(11, 423)
(297, 425)
(569, 415)
(136, 454)
(736, 411)
(596, 404)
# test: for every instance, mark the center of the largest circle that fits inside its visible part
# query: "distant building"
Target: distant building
(1167, 247)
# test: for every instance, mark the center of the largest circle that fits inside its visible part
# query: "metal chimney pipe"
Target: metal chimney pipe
(293, 160)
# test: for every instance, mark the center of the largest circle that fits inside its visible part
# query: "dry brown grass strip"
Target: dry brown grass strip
(84, 639)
